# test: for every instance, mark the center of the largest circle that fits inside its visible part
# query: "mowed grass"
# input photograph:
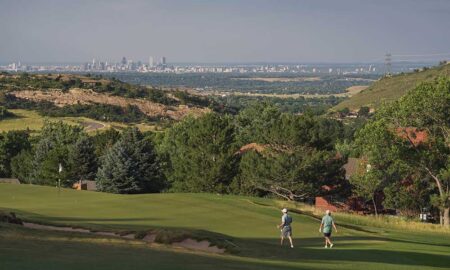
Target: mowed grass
(250, 223)
(28, 119)
(32, 120)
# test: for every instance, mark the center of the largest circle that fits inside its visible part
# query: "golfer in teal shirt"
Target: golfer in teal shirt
(326, 227)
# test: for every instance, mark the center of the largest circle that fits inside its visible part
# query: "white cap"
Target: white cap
(284, 210)
(327, 212)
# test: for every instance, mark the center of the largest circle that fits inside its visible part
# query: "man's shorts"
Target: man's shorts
(286, 231)
(327, 234)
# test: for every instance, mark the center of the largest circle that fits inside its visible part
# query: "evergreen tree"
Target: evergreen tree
(130, 166)
(201, 154)
(22, 166)
(11, 144)
(105, 139)
(253, 123)
(52, 149)
(296, 174)
(49, 168)
(4, 113)
(82, 160)
(298, 155)
(117, 173)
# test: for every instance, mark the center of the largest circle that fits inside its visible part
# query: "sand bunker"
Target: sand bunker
(149, 238)
(204, 246)
(130, 236)
(54, 228)
(198, 245)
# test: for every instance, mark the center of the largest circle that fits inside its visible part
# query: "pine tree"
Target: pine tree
(82, 160)
(201, 154)
(11, 144)
(295, 174)
(51, 150)
(130, 166)
(117, 174)
(22, 166)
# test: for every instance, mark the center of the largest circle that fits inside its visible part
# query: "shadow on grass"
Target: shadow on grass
(361, 249)
(77, 222)
(96, 220)
(373, 250)
(13, 116)
(257, 254)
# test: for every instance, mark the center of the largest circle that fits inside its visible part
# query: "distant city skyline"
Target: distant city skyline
(162, 66)
(248, 31)
(158, 60)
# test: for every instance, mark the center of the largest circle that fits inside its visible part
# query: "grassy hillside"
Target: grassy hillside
(248, 222)
(392, 88)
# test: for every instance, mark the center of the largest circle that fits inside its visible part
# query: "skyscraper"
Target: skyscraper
(151, 62)
(163, 60)
(124, 61)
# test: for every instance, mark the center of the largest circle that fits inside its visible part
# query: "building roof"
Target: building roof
(351, 167)
(413, 134)
(251, 146)
(90, 185)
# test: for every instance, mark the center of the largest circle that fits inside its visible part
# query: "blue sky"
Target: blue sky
(221, 31)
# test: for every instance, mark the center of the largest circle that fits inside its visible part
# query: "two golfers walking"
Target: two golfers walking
(326, 226)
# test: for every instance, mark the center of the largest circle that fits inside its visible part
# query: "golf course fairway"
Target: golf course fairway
(248, 223)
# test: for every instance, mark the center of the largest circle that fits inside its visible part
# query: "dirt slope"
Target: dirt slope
(82, 96)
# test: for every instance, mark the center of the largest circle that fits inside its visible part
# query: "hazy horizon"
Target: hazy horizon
(222, 63)
(248, 31)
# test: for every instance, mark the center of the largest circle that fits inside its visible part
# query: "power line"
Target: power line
(399, 57)
(421, 55)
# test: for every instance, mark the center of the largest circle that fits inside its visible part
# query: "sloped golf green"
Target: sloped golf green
(249, 224)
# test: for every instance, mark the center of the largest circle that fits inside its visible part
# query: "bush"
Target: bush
(4, 113)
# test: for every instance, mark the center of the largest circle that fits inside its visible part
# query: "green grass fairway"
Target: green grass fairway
(27, 119)
(249, 222)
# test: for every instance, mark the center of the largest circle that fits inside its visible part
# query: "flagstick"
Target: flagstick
(60, 169)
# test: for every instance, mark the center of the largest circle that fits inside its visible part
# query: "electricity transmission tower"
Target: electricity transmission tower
(388, 64)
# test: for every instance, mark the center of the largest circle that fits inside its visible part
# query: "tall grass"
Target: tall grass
(382, 221)
(392, 88)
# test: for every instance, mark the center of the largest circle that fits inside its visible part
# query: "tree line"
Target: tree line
(198, 154)
(403, 151)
